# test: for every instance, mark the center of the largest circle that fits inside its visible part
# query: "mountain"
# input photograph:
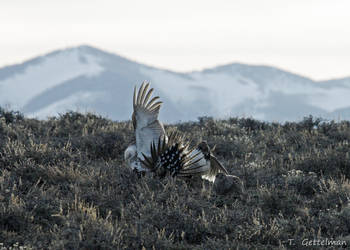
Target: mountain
(88, 79)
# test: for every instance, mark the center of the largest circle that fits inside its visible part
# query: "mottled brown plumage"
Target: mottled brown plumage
(225, 184)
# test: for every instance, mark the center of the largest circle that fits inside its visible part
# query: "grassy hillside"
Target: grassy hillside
(64, 186)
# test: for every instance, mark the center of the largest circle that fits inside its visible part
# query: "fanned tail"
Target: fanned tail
(174, 156)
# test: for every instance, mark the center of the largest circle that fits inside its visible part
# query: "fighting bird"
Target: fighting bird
(148, 129)
(213, 166)
(176, 158)
(157, 153)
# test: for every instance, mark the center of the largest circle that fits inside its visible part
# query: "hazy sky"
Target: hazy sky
(309, 37)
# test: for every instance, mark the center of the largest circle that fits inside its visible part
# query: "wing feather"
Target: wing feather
(216, 167)
(149, 93)
(148, 128)
(151, 101)
(155, 106)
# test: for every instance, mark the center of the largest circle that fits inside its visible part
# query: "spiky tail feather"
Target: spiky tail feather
(173, 156)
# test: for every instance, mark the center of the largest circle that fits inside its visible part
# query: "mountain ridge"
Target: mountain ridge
(89, 79)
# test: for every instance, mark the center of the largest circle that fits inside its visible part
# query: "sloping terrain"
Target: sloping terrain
(87, 79)
(64, 186)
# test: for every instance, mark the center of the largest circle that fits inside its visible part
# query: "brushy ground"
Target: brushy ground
(64, 186)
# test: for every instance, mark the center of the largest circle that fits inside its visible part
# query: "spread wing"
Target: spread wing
(147, 127)
(216, 167)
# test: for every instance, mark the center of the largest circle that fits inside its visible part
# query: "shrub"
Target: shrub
(63, 185)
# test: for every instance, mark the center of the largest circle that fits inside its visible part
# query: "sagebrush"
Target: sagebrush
(64, 186)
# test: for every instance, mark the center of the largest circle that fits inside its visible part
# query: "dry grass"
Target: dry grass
(64, 186)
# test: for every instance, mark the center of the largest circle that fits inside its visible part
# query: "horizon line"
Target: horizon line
(52, 51)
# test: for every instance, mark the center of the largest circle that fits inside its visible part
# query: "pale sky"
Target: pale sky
(308, 37)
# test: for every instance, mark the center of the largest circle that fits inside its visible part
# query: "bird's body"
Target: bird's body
(225, 184)
(131, 159)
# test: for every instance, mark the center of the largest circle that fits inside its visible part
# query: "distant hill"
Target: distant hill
(88, 79)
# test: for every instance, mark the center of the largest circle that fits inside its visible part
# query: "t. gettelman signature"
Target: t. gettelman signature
(319, 242)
